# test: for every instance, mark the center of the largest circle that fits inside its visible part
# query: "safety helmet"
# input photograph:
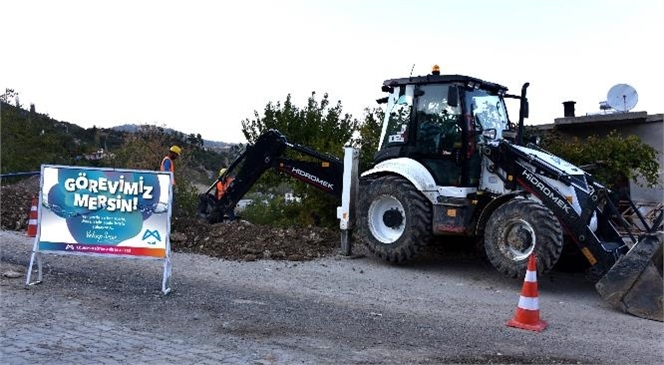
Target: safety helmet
(176, 150)
(221, 172)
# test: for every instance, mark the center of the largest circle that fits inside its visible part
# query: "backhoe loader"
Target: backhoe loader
(451, 163)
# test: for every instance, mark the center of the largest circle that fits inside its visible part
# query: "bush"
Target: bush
(276, 213)
(320, 126)
(609, 158)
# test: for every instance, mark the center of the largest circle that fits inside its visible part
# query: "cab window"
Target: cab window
(399, 107)
(438, 130)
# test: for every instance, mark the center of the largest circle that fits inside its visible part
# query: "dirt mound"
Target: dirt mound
(239, 240)
(245, 241)
(15, 203)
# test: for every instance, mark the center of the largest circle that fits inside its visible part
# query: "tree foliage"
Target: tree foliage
(368, 136)
(30, 140)
(276, 212)
(609, 157)
(145, 148)
(320, 126)
(10, 95)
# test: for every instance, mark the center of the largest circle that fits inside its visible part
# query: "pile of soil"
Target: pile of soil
(16, 201)
(237, 240)
(245, 241)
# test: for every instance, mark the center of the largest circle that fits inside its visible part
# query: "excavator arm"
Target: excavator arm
(324, 173)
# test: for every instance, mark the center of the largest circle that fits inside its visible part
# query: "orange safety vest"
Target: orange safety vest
(172, 169)
(222, 186)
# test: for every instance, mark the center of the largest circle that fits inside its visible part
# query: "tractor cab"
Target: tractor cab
(440, 121)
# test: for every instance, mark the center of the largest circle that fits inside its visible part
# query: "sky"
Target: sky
(203, 66)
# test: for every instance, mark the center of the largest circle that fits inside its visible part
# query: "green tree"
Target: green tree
(144, 150)
(319, 126)
(9, 95)
(368, 136)
(609, 157)
(28, 140)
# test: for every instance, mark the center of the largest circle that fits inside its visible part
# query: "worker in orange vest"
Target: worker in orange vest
(223, 182)
(167, 163)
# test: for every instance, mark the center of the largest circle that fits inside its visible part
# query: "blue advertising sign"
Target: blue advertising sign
(104, 211)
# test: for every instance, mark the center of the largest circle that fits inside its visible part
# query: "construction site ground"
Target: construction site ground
(244, 294)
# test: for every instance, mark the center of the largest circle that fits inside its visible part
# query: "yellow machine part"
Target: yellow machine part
(635, 283)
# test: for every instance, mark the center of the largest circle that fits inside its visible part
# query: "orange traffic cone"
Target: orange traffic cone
(32, 222)
(527, 312)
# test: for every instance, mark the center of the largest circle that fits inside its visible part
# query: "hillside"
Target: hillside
(214, 145)
(30, 139)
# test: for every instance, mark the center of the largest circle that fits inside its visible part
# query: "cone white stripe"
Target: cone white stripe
(32, 222)
(33, 208)
(529, 303)
(531, 276)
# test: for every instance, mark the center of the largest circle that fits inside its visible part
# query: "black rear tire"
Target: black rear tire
(517, 229)
(394, 219)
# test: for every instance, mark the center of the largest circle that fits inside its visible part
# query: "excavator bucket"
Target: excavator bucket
(634, 284)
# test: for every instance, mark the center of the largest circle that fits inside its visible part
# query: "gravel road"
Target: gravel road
(333, 310)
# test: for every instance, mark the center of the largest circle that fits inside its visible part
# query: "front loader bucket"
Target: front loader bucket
(634, 284)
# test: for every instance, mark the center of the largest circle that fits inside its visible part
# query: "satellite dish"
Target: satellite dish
(622, 97)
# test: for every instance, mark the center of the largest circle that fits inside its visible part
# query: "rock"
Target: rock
(12, 274)
(250, 250)
(178, 237)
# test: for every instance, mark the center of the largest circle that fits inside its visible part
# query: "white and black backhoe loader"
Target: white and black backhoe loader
(450, 163)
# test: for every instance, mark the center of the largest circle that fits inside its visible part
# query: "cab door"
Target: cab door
(438, 142)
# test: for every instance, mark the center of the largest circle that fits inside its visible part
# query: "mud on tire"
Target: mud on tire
(516, 229)
(394, 219)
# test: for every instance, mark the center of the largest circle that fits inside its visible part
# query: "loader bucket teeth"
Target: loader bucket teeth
(634, 284)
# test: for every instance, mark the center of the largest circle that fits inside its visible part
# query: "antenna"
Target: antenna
(411, 71)
(622, 97)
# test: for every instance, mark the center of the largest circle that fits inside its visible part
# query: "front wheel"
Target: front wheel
(517, 229)
(394, 219)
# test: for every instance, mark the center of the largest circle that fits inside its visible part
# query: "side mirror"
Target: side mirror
(419, 92)
(382, 100)
(387, 89)
(453, 96)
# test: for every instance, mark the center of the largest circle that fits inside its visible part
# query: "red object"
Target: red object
(32, 223)
(527, 312)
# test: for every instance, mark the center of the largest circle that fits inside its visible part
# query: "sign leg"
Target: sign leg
(166, 280)
(37, 255)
